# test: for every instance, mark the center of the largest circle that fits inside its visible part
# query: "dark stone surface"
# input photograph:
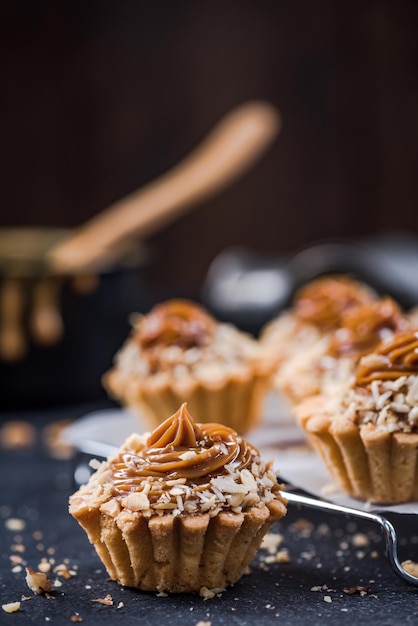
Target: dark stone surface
(323, 551)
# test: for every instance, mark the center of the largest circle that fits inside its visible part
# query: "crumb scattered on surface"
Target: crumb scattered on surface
(11, 607)
(62, 570)
(208, 594)
(44, 566)
(360, 589)
(271, 542)
(107, 600)
(38, 582)
(76, 618)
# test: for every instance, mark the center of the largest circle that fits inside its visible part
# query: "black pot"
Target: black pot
(95, 325)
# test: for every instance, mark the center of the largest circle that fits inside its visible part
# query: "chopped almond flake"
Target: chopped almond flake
(283, 556)
(11, 607)
(44, 567)
(271, 542)
(107, 600)
(38, 582)
(62, 570)
(208, 594)
(76, 618)
(137, 502)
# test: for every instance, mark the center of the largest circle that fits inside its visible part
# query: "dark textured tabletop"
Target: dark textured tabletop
(322, 569)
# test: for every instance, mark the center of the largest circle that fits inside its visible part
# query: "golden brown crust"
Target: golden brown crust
(365, 461)
(182, 554)
(179, 509)
(235, 401)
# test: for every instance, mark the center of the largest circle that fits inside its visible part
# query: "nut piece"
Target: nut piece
(11, 607)
(38, 582)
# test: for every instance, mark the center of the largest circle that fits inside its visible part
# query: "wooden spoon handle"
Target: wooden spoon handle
(226, 153)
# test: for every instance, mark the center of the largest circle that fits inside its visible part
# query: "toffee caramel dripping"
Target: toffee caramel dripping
(393, 358)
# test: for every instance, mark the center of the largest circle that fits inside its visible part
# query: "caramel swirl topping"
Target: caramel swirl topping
(323, 301)
(175, 322)
(179, 448)
(365, 326)
(394, 357)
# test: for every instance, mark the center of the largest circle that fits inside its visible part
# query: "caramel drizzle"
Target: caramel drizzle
(365, 326)
(393, 358)
(213, 445)
(323, 301)
(175, 322)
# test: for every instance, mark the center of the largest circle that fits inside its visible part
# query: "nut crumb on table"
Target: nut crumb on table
(11, 607)
(38, 582)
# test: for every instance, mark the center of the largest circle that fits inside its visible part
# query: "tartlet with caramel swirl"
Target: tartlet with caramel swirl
(299, 337)
(333, 359)
(368, 434)
(183, 509)
(178, 352)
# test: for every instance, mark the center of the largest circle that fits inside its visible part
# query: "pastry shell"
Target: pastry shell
(176, 554)
(367, 462)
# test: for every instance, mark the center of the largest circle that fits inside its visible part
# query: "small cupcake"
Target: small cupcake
(183, 509)
(177, 353)
(299, 337)
(328, 364)
(368, 434)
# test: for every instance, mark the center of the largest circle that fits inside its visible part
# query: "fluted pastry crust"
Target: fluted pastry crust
(368, 437)
(180, 510)
(179, 353)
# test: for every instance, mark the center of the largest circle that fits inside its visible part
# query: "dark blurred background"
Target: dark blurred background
(100, 97)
